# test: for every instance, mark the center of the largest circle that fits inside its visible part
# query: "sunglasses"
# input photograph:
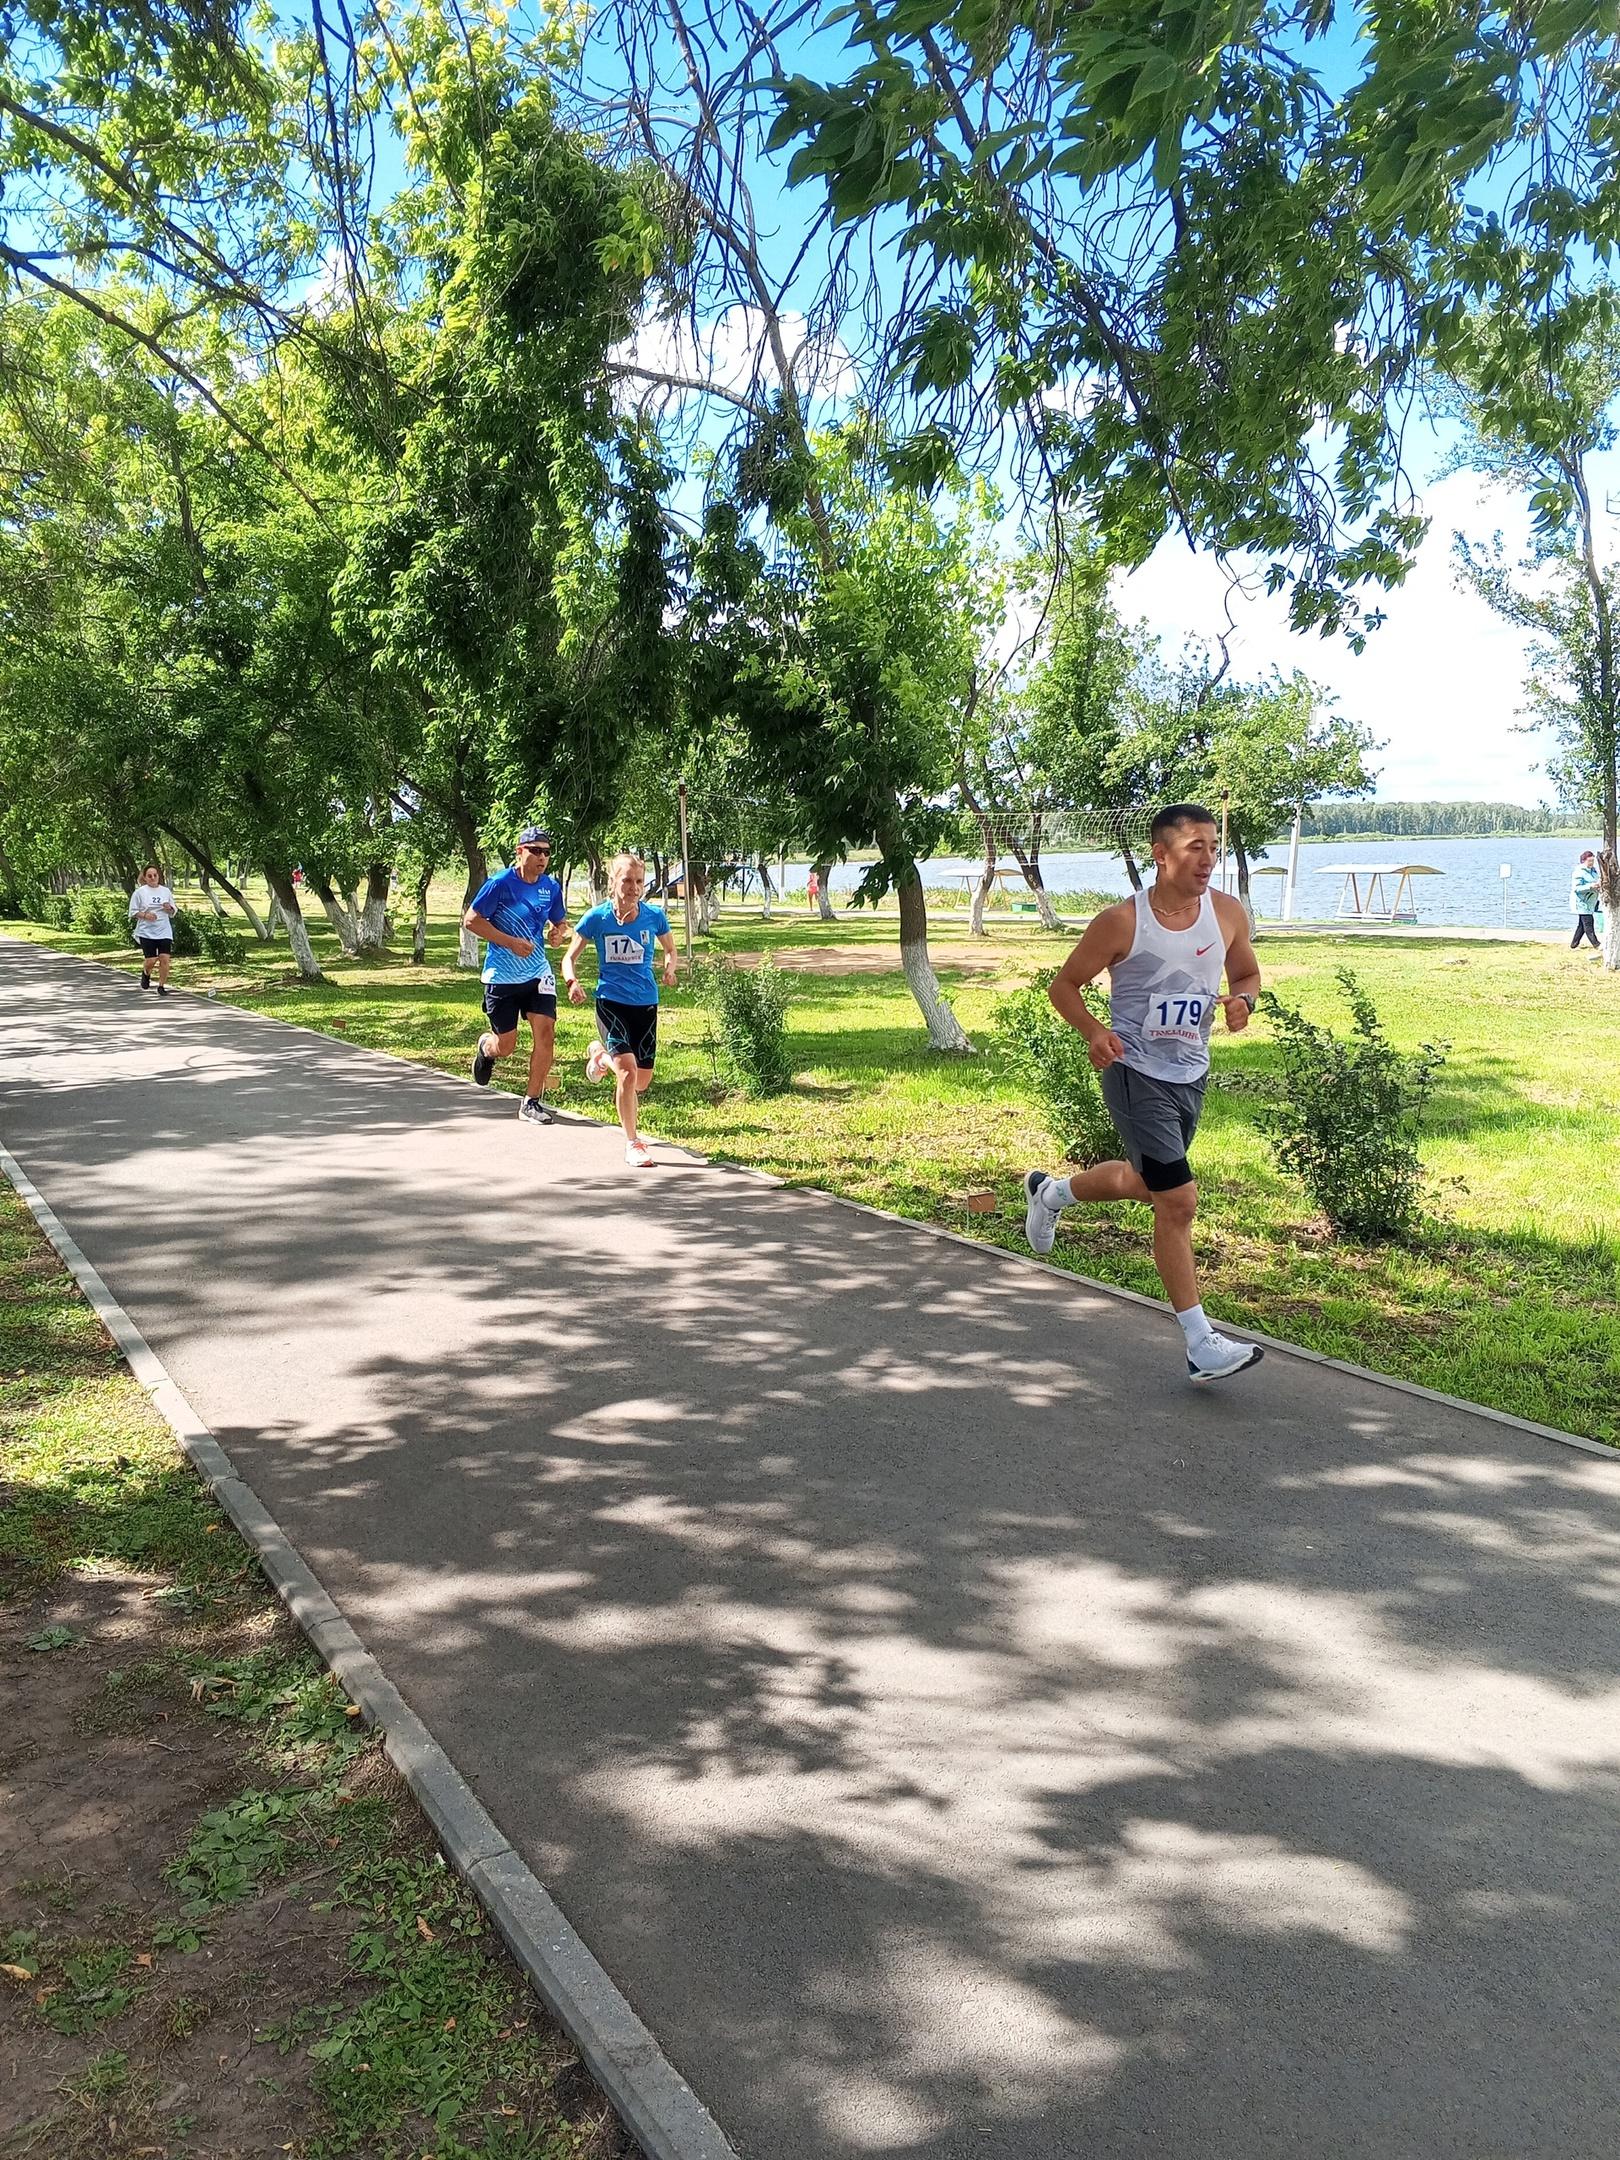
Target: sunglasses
(530, 848)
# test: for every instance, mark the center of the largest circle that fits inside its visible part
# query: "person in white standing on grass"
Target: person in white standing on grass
(1165, 951)
(624, 931)
(152, 910)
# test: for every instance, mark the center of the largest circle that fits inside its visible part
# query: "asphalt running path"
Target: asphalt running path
(955, 1735)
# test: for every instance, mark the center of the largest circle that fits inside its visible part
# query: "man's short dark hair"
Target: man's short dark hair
(1179, 813)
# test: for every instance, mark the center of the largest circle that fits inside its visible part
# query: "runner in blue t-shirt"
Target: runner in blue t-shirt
(515, 912)
(624, 931)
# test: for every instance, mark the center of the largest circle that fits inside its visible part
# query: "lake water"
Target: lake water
(1468, 891)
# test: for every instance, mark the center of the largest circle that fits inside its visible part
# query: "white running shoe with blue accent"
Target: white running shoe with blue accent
(1040, 1220)
(1217, 1357)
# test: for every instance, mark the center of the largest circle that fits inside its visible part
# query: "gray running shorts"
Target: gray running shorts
(1154, 1117)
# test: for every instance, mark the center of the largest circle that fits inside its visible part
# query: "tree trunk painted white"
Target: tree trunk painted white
(945, 1031)
(1030, 865)
(1609, 892)
(339, 913)
(419, 927)
(477, 872)
(303, 952)
(708, 899)
(981, 893)
(292, 915)
(1243, 892)
(987, 879)
(372, 919)
(823, 896)
(1043, 904)
(210, 895)
(768, 889)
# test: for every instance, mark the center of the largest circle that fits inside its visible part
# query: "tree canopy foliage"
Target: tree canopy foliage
(416, 420)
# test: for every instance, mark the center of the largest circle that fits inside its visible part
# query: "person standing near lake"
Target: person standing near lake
(152, 909)
(1583, 900)
(624, 930)
(1165, 951)
(515, 912)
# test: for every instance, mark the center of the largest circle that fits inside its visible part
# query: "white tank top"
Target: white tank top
(1163, 993)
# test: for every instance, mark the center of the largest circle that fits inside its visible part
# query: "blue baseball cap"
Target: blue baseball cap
(534, 836)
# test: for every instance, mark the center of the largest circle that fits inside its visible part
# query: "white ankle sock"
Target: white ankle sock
(1058, 1194)
(1194, 1325)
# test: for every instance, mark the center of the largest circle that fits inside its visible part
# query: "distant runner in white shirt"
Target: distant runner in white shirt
(152, 911)
(1165, 951)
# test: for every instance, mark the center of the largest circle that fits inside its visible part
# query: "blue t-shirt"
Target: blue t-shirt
(521, 910)
(624, 951)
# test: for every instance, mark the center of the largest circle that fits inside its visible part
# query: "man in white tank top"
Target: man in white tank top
(1165, 951)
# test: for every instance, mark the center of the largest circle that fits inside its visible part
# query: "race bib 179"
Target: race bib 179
(1177, 1019)
(622, 951)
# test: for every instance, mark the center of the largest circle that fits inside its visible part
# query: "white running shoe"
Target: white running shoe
(1217, 1357)
(639, 1155)
(596, 1063)
(1040, 1221)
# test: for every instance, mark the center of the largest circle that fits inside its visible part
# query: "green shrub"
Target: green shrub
(188, 943)
(1348, 1119)
(59, 911)
(96, 913)
(1052, 1058)
(750, 1012)
(224, 946)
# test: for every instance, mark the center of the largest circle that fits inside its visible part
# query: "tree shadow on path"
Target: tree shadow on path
(956, 1736)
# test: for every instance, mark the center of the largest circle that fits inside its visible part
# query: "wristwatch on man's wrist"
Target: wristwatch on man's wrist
(1248, 998)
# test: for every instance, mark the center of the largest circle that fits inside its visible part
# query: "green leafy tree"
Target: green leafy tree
(1538, 400)
(848, 664)
(1261, 750)
(1191, 258)
(509, 558)
(1086, 749)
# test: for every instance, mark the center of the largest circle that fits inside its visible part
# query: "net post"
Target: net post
(686, 869)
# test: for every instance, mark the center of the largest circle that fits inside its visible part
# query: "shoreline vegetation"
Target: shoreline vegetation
(1509, 1296)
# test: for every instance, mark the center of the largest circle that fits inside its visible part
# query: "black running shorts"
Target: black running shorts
(628, 1030)
(1156, 1118)
(152, 948)
(507, 1003)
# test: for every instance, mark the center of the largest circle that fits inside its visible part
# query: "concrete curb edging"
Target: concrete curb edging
(652, 2099)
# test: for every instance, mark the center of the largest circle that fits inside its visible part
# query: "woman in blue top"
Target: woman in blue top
(624, 931)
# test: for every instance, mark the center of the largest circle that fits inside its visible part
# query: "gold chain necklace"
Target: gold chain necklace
(1160, 919)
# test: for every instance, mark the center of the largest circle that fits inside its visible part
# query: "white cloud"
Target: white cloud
(733, 353)
(1440, 683)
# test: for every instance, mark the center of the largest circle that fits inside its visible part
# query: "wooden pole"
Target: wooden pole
(1224, 799)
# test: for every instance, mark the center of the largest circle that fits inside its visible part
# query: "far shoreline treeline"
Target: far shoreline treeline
(1440, 821)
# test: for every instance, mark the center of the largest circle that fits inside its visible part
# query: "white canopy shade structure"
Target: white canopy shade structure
(1363, 898)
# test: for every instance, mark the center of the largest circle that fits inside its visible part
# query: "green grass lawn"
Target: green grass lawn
(1511, 1297)
(280, 1899)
